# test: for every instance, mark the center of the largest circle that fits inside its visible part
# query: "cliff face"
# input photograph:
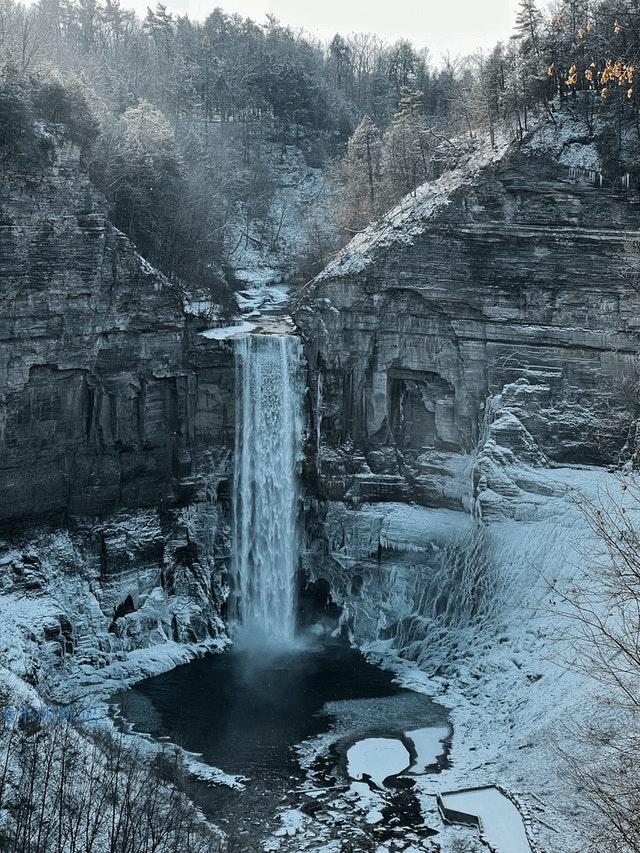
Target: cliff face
(116, 423)
(508, 283)
(473, 370)
(467, 353)
(105, 398)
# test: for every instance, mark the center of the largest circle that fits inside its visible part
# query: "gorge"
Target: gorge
(405, 458)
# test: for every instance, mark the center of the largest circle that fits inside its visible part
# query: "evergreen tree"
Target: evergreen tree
(407, 147)
(528, 27)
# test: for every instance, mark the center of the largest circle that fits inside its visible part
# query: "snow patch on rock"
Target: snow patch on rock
(412, 215)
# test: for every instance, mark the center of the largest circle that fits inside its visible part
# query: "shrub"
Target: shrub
(55, 101)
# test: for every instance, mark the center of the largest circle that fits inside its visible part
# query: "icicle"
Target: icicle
(318, 419)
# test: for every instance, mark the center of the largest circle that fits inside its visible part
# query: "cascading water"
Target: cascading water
(269, 390)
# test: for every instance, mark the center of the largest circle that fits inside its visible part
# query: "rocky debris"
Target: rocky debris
(77, 604)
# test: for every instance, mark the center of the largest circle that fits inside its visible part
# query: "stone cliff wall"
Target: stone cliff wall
(509, 281)
(116, 429)
(106, 397)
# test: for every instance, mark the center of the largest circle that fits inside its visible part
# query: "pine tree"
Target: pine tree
(359, 174)
(528, 27)
(407, 146)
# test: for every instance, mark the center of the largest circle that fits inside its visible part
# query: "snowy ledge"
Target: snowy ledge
(411, 216)
(224, 333)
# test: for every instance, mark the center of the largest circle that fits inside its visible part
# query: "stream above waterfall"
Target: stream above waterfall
(247, 709)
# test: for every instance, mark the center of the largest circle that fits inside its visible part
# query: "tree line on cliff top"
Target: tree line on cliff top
(190, 116)
(576, 57)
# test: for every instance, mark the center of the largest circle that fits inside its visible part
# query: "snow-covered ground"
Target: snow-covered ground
(429, 746)
(411, 216)
(506, 670)
(512, 681)
(500, 822)
(513, 693)
(223, 333)
(57, 605)
(261, 251)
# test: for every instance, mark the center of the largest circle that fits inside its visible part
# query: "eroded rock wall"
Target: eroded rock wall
(116, 430)
(468, 355)
(105, 395)
(512, 277)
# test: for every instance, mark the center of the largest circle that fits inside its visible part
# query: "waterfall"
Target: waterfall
(269, 389)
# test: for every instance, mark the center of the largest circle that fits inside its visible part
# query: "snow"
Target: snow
(414, 528)
(138, 664)
(512, 685)
(564, 140)
(57, 608)
(500, 821)
(223, 333)
(378, 758)
(293, 821)
(261, 250)
(428, 743)
(514, 688)
(395, 526)
(211, 775)
(366, 801)
(580, 156)
(411, 217)
(512, 680)
(262, 297)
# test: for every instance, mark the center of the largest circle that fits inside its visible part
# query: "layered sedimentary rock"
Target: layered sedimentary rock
(470, 353)
(116, 429)
(105, 398)
(473, 372)
(508, 282)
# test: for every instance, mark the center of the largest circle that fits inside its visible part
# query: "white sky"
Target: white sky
(454, 26)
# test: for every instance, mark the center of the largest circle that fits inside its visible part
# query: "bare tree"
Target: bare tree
(66, 788)
(604, 611)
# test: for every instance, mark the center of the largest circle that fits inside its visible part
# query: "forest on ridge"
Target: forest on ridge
(183, 123)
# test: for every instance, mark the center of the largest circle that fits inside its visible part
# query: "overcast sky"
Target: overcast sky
(456, 26)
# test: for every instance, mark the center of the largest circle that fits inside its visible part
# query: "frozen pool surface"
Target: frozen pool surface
(377, 758)
(429, 746)
(501, 823)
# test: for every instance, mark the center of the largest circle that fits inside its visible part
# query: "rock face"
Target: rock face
(509, 281)
(116, 430)
(105, 397)
(473, 364)
(467, 356)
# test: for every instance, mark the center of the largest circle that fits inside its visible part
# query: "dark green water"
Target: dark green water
(245, 710)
